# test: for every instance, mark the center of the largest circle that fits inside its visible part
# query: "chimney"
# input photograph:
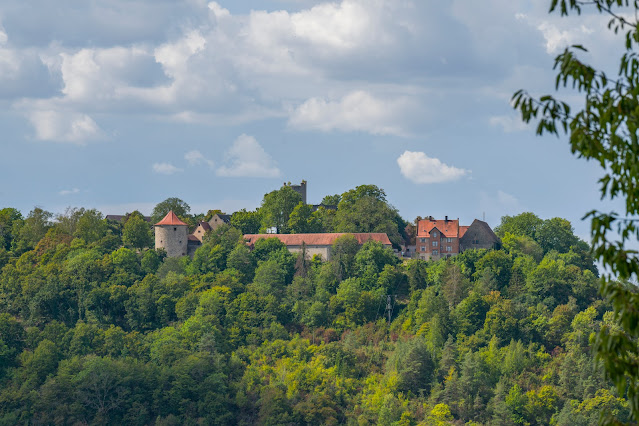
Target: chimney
(446, 219)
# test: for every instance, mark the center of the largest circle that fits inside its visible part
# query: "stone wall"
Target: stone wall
(324, 251)
(173, 239)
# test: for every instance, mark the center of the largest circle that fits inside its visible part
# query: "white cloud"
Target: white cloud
(195, 158)
(174, 56)
(419, 168)
(197, 60)
(556, 39)
(69, 191)
(218, 11)
(165, 168)
(247, 158)
(59, 126)
(343, 26)
(357, 111)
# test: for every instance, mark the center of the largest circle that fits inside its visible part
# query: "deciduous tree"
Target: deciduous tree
(605, 128)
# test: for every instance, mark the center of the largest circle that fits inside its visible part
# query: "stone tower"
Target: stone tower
(171, 234)
(300, 189)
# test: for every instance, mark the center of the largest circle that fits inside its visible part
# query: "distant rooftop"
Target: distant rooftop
(325, 239)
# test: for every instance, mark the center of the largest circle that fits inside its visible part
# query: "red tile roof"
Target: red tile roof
(171, 219)
(462, 230)
(318, 239)
(449, 228)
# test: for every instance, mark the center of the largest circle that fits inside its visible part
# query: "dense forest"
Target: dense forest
(96, 327)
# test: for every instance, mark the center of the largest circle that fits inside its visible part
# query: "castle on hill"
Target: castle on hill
(435, 238)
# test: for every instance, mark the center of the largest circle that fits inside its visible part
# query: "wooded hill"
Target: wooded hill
(95, 332)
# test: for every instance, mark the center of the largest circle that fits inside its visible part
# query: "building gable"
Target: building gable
(479, 235)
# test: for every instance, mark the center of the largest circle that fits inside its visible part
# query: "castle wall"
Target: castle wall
(173, 239)
(324, 251)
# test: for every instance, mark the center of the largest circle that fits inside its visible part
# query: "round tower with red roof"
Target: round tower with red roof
(171, 234)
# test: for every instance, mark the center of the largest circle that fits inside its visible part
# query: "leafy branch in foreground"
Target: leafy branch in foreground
(605, 130)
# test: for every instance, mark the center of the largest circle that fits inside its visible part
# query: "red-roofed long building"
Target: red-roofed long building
(319, 244)
(438, 238)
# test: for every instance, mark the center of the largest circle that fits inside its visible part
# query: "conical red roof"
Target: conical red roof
(171, 219)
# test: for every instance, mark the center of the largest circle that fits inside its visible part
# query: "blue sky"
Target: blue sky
(117, 105)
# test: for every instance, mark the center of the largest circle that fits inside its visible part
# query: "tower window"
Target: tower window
(175, 229)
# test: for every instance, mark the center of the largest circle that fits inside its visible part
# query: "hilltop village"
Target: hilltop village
(340, 312)
(434, 238)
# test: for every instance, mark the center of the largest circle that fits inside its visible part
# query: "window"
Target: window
(434, 233)
(435, 252)
(423, 248)
(422, 240)
(434, 243)
(475, 241)
(449, 240)
(175, 229)
(449, 249)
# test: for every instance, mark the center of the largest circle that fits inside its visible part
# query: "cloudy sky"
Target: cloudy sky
(120, 104)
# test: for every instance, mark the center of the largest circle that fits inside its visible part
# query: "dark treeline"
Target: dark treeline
(98, 328)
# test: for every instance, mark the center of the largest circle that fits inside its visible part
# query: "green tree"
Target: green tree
(7, 217)
(331, 200)
(265, 246)
(499, 263)
(137, 232)
(91, 226)
(248, 222)
(303, 221)
(556, 234)
(455, 285)
(343, 251)
(270, 278)
(12, 337)
(277, 207)
(414, 366)
(518, 245)
(524, 224)
(242, 260)
(325, 219)
(365, 209)
(27, 233)
(179, 207)
(151, 261)
(605, 129)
